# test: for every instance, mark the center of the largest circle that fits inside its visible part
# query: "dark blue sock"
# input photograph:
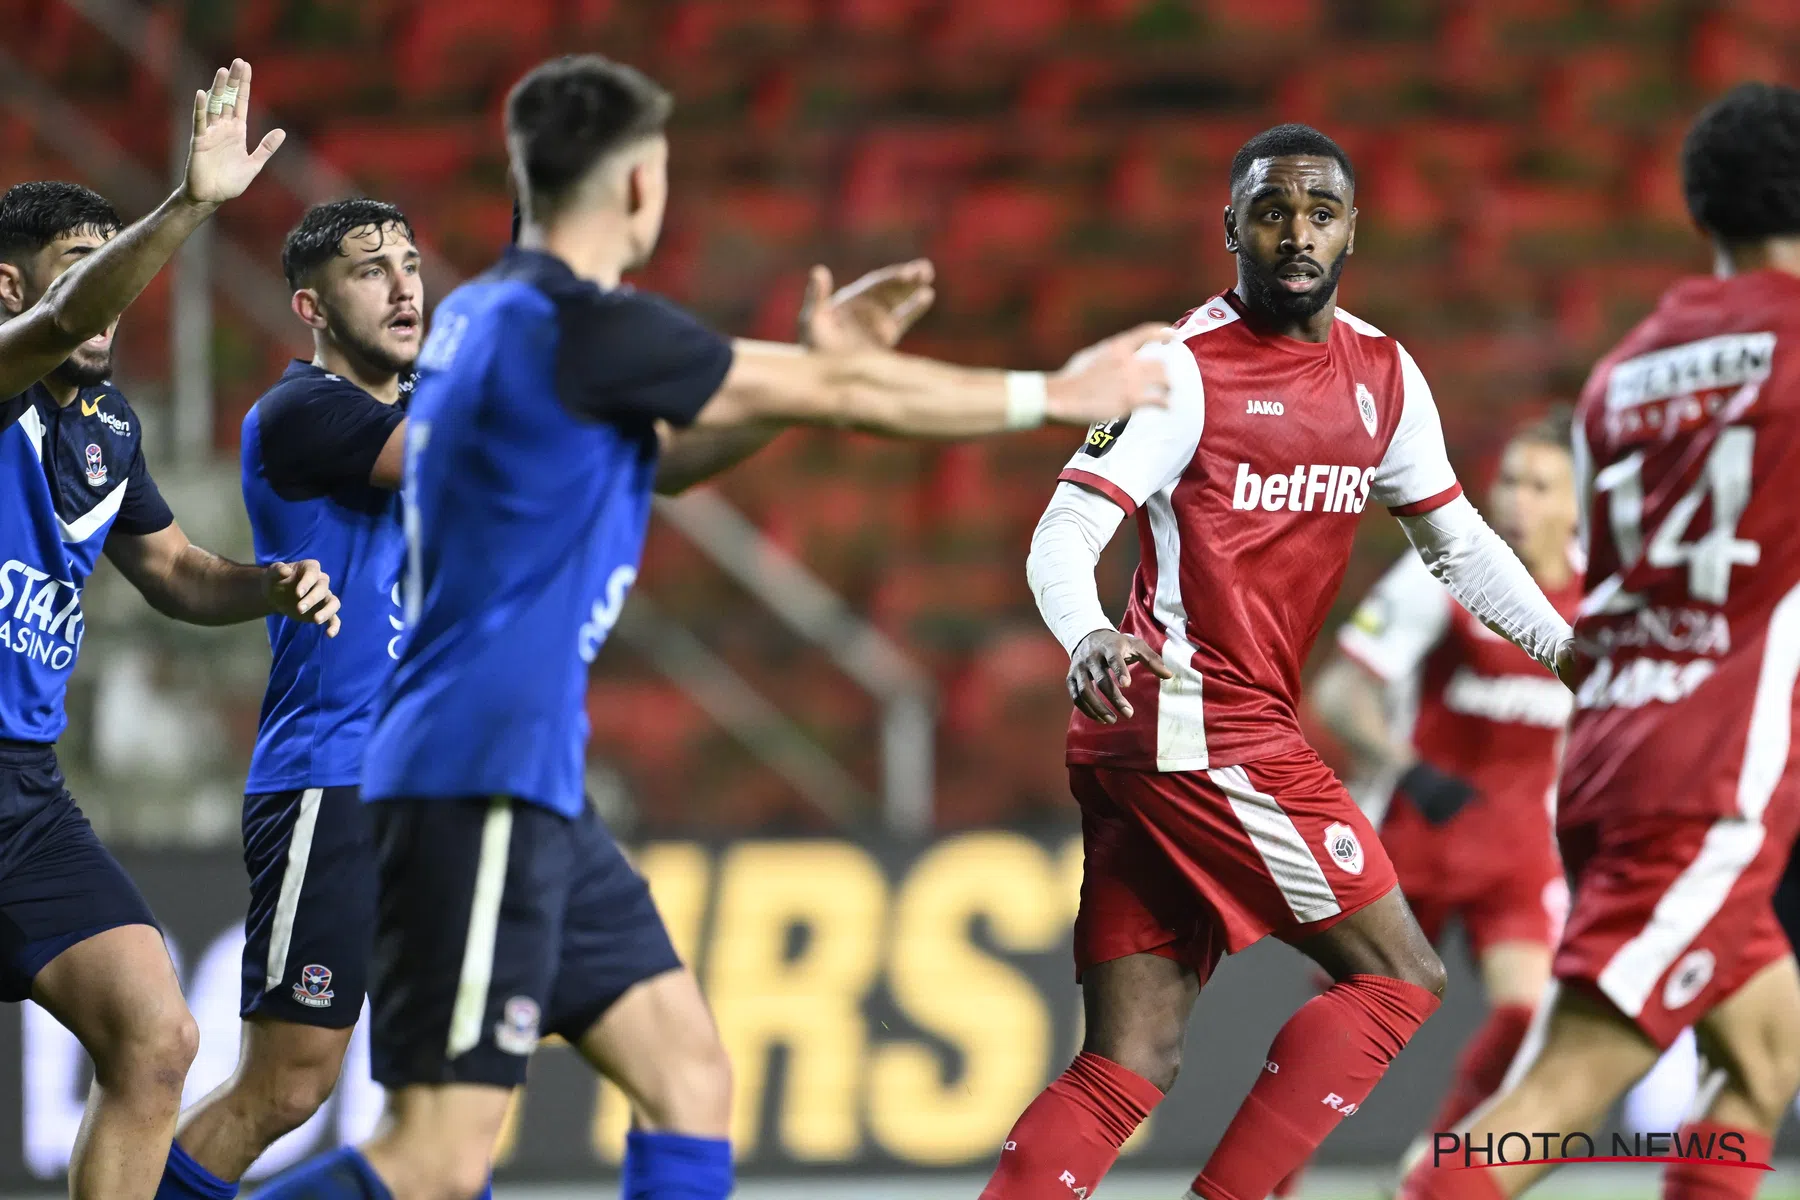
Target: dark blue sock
(674, 1166)
(185, 1179)
(341, 1175)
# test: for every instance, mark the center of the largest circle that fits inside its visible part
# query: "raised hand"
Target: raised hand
(1109, 379)
(873, 313)
(220, 165)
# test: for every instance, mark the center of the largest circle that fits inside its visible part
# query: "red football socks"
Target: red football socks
(1069, 1137)
(1484, 1062)
(1716, 1180)
(1321, 1067)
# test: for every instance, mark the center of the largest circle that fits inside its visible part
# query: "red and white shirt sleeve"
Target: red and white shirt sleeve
(1415, 475)
(1402, 619)
(1134, 457)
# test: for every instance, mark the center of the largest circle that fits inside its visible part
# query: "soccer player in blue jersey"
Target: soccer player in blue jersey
(75, 935)
(321, 458)
(546, 394)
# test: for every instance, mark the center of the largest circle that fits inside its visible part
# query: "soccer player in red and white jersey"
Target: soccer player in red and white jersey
(1680, 798)
(1208, 823)
(1455, 733)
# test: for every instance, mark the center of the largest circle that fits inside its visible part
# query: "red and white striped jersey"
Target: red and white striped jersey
(1468, 701)
(1246, 491)
(1688, 447)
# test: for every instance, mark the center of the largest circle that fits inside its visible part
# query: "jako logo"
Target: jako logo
(1265, 408)
(46, 623)
(606, 612)
(1321, 487)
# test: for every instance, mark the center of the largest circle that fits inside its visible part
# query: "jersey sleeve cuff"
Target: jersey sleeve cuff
(1420, 507)
(1101, 484)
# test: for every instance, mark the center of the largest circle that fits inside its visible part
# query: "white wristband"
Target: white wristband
(1027, 399)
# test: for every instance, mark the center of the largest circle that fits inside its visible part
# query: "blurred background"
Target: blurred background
(831, 722)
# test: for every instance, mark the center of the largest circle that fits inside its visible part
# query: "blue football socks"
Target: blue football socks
(185, 1179)
(674, 1166)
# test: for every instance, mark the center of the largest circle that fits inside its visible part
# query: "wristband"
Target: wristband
(1027, 399)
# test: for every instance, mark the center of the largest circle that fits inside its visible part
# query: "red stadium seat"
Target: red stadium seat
(1015, 24)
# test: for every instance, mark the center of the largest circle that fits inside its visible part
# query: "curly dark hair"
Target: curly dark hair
(1740, 164)
(1284, 140)
(319, 237)
(32, 215)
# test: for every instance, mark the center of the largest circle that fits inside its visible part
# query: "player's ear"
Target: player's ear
(12, 289)
(1231, 233)
(306, 306)
(1350, 246)
(637, 188)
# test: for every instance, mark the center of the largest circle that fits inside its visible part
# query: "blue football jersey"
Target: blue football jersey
(308, 447)
(530, 455)
(71, 476)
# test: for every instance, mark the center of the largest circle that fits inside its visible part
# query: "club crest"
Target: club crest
(1345, 850)
(314, 988)
(95, 466)
(1365, 407)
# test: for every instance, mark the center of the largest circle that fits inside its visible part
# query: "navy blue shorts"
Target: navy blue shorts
(58, 884)
(499, 921)
(312, 906)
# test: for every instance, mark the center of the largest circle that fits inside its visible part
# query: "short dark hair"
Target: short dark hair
(1740, 164)
(1285, 140)
(569, 113)
(1554, 428)
(319, 237)
(32, 215)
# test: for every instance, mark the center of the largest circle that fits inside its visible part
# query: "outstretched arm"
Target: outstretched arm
(1488, 579)
(86, 300)
(182, 581)
(904, 396)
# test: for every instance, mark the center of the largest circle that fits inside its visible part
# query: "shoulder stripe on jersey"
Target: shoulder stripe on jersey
(1357, 323)
(1101, 484)
(1418, 507)
(82, 528)
(33, 425)
(1212, 315)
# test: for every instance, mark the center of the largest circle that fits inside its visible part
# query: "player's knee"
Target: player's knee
(692, 1091)
(291, 1098)
(1427, 971)
(1148, 1050)
(151, 1058)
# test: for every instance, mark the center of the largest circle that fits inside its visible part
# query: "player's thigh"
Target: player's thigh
(1379, 938)
(1754, 1035)
(309, 927)
(1514, 973)
(1135, 899)
(117, 993)
(1579, 1056)
(469, 921)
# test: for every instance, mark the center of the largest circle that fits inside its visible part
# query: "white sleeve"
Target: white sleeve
(1060, 568)
(1131, 459)
(1487, 578)
(1415, 473)
(1399, 621)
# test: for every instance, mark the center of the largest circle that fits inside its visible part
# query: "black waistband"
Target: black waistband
(14, 750)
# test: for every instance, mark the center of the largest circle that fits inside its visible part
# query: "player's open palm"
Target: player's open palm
(873, 313)
(301, 591)
(1100, 671)
(221, 162)
(1109, 379)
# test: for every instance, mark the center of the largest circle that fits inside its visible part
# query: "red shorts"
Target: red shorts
(1506, 884)
(1671, 914)
(1194, 865)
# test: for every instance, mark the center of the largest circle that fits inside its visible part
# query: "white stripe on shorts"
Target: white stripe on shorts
(484, 927)
(1291, 864)
(287, 904)
(1733, 842)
